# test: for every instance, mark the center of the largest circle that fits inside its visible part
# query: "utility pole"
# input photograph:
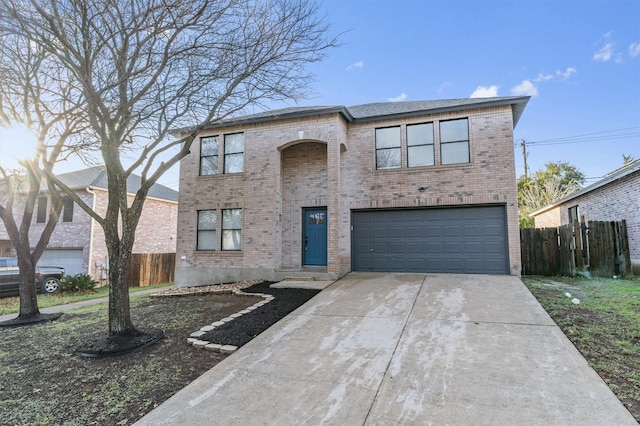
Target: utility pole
(523, 144)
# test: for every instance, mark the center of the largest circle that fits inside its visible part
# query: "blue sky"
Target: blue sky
(579, 60)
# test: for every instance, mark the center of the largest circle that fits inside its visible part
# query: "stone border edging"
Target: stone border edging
(222, 348)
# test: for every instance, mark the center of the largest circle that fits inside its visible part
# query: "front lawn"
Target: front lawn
(602, 319)
(9, 305)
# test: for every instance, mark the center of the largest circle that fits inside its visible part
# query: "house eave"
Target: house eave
(614, 176)
(517, 104)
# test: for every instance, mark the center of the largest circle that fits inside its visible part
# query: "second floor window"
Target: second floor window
(454, 141)
(209, 156)
(41, 214)
(388, 148)
(420, 145)
(67, 210)
(234, 153)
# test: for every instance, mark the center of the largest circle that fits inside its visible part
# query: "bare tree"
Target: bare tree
(24, 95)
(544, 193)
(146, 67)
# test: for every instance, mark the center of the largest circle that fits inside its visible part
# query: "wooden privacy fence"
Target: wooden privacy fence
(600, 248)
(151, 268)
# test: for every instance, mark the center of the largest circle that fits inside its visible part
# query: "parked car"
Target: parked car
(47, 277)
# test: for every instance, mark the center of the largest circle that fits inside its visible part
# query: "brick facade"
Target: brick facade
(156, 231)
(614, 201)
(326, 161)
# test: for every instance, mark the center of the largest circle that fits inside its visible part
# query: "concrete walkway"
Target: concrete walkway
(74, 305)
(414, 349)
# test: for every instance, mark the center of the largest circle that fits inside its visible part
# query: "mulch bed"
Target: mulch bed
(241, 330)
(106, 346)
(20, 322)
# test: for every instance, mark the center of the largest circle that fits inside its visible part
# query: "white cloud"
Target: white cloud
(485, 92)
(634, 49)
(444, 86)
(559, 75)
(399, 98)
(606, 51)
(566, 73)
(604, 54)
(526, 88)
(356, 66)
(543, 77)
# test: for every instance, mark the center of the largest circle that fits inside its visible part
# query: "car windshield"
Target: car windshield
(12, 263)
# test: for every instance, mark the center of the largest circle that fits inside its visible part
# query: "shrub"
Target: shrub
(78, 283)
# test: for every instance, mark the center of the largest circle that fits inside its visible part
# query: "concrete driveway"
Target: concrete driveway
(415, 349)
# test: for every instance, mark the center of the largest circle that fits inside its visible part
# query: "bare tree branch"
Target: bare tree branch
(136, 69)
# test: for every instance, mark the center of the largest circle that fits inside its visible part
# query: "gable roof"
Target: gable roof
(613, 176)
(96, 177)
(378, 111)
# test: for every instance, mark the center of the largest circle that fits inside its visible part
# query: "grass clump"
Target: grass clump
(80, 283)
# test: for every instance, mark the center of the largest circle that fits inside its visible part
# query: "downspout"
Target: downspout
(91, 230)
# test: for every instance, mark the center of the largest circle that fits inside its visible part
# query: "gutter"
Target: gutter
(91, 230)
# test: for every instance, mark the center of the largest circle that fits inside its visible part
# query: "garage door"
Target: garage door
(69, 259)
(470, 240)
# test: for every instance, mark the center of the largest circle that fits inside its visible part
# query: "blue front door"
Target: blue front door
(315, 237)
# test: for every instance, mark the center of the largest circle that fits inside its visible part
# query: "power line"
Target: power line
(626, 133)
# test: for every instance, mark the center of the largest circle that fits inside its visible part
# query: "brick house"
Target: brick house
(424, 186)
(78, 244)
(614, 197)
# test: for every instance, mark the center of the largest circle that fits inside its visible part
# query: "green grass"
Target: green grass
(10, 305)
(604, 326)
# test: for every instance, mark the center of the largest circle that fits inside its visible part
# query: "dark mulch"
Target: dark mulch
(21, 321)
(105, 345)
(241, 330)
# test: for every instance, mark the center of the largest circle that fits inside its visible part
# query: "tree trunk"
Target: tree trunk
(28, 292)
(119, 305)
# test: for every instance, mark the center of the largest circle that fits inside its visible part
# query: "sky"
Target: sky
(578, 60)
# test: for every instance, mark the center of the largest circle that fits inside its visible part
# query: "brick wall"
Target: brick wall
(488, 178)
(304, 184)
(618, 200)
(156, 231)
(324, 161)
(69, 235)
(549, 219)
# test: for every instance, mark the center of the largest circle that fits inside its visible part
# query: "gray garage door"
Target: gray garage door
(470, 240)
(69, 259)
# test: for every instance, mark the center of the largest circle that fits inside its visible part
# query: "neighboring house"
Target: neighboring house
(615, 197)
(78, 243)
(425, 186)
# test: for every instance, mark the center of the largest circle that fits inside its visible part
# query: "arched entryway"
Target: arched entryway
(304, 192)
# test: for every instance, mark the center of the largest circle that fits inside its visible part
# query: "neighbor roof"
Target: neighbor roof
(613, 176)
(96, 177)
(381, 110)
